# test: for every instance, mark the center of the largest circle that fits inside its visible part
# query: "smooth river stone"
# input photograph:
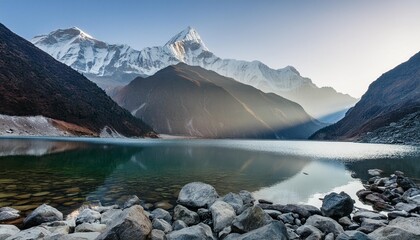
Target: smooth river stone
(5, 204)
(69, 203)
(40, 194)
(73, 190)
(7, 195)
(23, 196)
(22, 202)
(24, 208)
(164, 205)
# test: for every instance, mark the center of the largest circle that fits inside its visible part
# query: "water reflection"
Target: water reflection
(67, 173)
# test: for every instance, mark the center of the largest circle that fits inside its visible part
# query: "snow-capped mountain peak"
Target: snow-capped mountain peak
(188, 36)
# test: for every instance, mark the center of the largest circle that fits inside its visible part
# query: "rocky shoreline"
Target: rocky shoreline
(202, 214)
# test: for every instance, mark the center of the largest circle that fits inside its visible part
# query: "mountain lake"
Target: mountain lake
(66, 172)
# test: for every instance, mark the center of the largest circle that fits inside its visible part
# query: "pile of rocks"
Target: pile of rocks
(395, 193)
(202, 214)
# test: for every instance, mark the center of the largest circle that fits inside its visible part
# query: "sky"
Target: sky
(343, 44)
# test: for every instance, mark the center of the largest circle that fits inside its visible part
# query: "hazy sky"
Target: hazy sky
(343, 44)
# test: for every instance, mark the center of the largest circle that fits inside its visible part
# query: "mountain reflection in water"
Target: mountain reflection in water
(66, 172)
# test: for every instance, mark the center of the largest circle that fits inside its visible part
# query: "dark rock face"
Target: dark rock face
(132, 223)
(27, 74)
(191, 101)
(197, 195)
(392, 97)
(337, 205)
(42, 214)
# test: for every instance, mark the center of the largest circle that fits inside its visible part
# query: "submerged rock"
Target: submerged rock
(337, 205)
(42, 214)
(197, 194)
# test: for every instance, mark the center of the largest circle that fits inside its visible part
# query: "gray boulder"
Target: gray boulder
(33, 233)
(7, 231)
(375, 172)
(8, 214)
(287, 218)
(197, 194)
(408, 207)
(309, 232)
(247, 197)
(187, 216)
(325, 224)
(157, 234)
(160, 213)
(252, 218)
(359, 216)
(222, 214)
(131, 201)
(58, 227)
(42, 214)
(337, 205)
(178, 225)
(161, 225)
(353, 235)
(200, 231)
(235, 200)
(329, 236)
(399, 229)
(107, 216)
(132, 223)
(369, 225)
(90, 227)
(74, 236)
(88, 216)
(274, 231)
(311, 209)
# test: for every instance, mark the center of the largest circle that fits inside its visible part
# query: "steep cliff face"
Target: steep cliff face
(33, 83)
(192, 101)
(389, 99)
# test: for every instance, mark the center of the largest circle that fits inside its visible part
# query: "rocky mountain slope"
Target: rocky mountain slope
(390, 100)
(192, 101)
(111, 65)
(33, 83)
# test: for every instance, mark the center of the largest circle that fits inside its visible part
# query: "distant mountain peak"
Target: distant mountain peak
(82, 33)
(188, 35)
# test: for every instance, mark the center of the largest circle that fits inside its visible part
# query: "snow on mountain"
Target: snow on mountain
(111, 65)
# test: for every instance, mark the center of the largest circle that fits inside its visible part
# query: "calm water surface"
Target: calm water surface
(66, 172)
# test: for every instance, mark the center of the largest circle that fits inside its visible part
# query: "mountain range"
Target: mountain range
(32, 83)
(389, 112)
(113, 65)
(192, 101)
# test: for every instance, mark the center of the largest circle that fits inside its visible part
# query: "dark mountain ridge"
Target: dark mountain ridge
(34, 83)
(196, 102)
(389, 99)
